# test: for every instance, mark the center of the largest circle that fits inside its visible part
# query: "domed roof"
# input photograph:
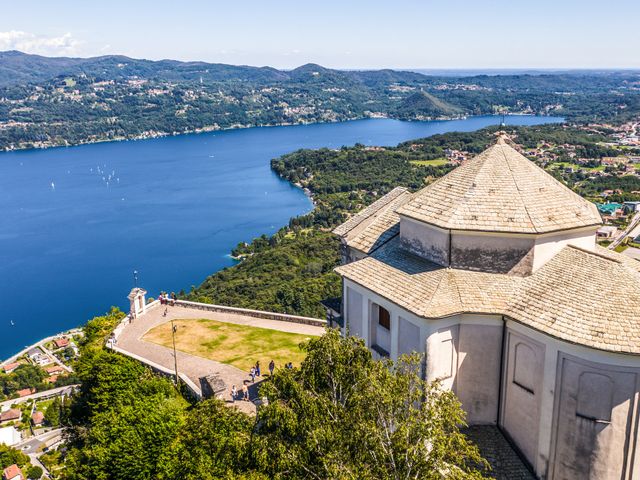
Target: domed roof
(500, 191)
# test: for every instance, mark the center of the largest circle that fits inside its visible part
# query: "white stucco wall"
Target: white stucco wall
(555, 350)
(522, 392)
(425, 240)
(546, 246)
(355, 318)
(540, 387)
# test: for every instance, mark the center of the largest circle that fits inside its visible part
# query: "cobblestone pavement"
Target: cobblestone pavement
(505, 462)
(195, 367)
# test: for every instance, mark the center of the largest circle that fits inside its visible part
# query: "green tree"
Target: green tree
(343, 415)
(34, 472)
(52, 413)
(122, 419)
(9, 456)
(212, 443)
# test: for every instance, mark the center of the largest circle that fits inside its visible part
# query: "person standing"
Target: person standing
(245, 392)
(234, 393)
(258, 368)
(272, 367)
(252, 374)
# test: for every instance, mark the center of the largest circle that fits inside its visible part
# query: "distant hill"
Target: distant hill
(17, 67)
(425, 105)
(20, 68)
(67, 101)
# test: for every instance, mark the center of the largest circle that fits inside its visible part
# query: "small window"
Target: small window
(384, 319)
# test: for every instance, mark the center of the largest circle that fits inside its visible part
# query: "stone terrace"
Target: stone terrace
(129, 342)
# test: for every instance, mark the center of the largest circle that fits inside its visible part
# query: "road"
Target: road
(635, 221)
(33, 446)
(67, 390)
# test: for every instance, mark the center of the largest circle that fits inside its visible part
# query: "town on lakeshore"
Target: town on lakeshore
(320, 241)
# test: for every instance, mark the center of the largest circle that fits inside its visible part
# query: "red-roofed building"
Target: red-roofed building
(12, 472)
(10, 415)
(37, 418)
(61, 342)
(26, 391)
(54, 370)
(51, 379)
(10, 367)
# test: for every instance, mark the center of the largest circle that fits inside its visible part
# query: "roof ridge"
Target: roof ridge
(457, 287)
(515, 182)
(597, 254)
(479, 160)
(435, 290)
(369, 211)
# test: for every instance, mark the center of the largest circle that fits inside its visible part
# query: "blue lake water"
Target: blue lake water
(76, 222)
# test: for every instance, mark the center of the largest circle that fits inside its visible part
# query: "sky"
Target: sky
(409, 34)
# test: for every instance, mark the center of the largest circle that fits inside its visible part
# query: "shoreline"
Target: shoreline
(39, 343)
(215, 128)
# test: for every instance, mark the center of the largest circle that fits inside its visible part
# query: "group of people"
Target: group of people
(253, 373)
(245, 393)
(167, 299)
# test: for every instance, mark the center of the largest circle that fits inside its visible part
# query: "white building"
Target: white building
(9, 436)
(493, 273)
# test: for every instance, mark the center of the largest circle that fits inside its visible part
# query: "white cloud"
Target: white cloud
(30, 43)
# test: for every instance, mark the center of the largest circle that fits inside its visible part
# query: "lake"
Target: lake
(76, 222)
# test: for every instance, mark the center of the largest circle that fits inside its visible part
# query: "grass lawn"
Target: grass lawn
(42, 406)
(237, 345)
(438, 162)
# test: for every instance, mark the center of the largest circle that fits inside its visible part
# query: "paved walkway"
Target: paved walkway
(505, 462)
(130, 340)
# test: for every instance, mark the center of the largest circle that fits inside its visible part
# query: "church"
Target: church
(493, 273)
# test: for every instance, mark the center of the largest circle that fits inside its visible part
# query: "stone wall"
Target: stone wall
(283, 317)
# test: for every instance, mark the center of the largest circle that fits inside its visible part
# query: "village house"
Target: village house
(10, 367)
(38, 357)
(606, 232)
(12, 472)
(37, 418)
(492, 272)
(11, 415)
(54, 370)
(61, 342)
(26, 392)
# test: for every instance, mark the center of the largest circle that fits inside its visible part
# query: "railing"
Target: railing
(283, 317)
